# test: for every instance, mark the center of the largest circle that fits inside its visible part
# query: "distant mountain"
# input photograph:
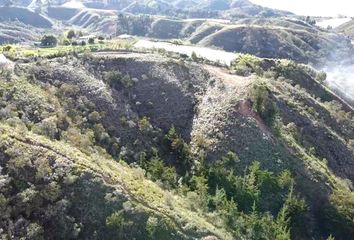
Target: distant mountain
(203, 8)
(241, 7)
(148, 7)
(284, 38)
(25, 16)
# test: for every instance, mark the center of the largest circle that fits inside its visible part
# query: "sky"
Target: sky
(312, 7)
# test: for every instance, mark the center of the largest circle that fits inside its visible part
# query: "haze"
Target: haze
(311, 7)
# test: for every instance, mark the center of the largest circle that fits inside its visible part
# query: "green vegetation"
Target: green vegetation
(232, 198)
(262, 102)
(321, 77)
(246, 64)
(78, 151)
(18, 51)
(71, 34)
(49, 41)
(117, 80)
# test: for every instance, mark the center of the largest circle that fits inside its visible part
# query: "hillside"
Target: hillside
(270, 38)
(347, 29)
(16, 32)
(25, 16)
(279, 42)
(62, 13)
(191, 9)
(174, 119)
(94, 20)
(71, 125)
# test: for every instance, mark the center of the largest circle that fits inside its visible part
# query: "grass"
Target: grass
(29, 51)
(19, 51)
(142, 192)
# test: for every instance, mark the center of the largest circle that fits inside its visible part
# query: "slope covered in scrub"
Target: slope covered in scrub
(95, 20)
(140, 145)
(15, 32)
(346, 28)
(264, 37)
(25, 16)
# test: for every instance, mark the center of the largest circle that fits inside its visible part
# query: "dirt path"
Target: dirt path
(229, 79)
(241, 84)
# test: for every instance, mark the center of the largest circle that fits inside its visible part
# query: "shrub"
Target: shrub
(94, 117)
(91, 41)
(321, 77)
(7, 48)
(246, 64)
(179, 147)
(144, 124)
(65, 42)
(71, 34)
(116, 220)
(194, 57)
(49, 41)
(262, 103)
(117, 80)
(35, 231)
(48, 127)
(158, 171)
(158, 228)
(127, 81)
(341, 213)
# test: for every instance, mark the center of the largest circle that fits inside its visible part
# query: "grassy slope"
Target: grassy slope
(346, 28)
(25, 16)
(278, 41)
(222, 124)
(95, 20)
(120, 177)
(263, 37)
(14, 32)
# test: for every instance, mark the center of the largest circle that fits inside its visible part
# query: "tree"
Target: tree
(7, 48)
(158, 171)
(321, 77)
(49, 41)
(71, 34)
(123, 25)
(262, 103)
(91, 41)
(65, 42)
(310, 21)
(194, 57)
(179, 147)
(144, 124)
